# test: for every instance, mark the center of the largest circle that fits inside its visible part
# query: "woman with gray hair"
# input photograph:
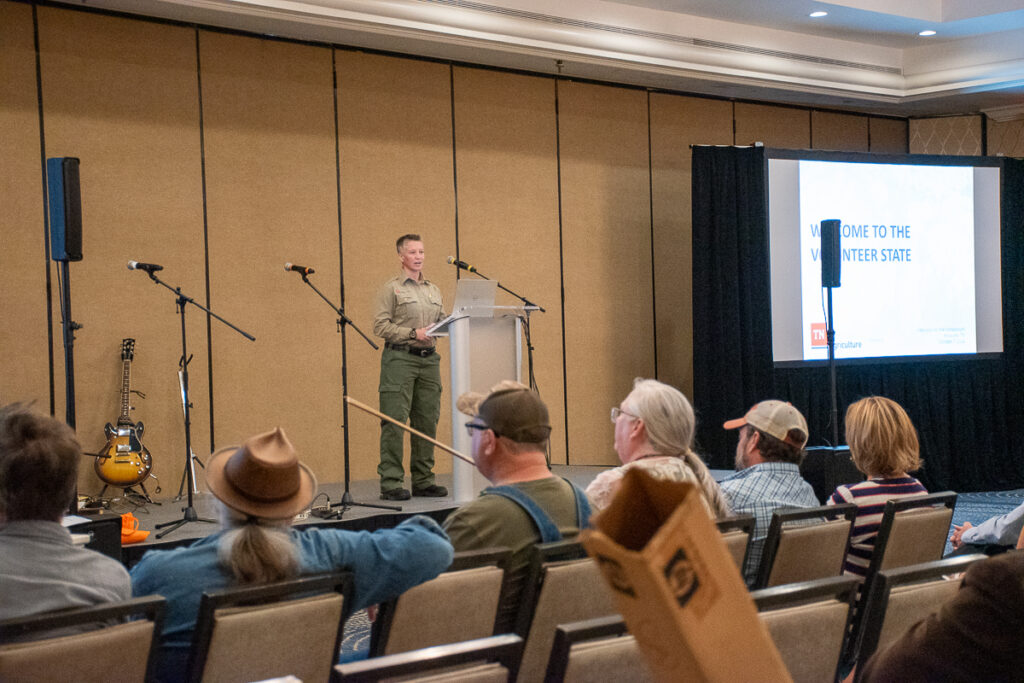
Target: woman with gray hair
(654, 430)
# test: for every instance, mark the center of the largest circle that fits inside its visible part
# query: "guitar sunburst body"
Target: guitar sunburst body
(124, 461)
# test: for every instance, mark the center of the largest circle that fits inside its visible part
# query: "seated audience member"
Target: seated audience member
(883, 444)
(992, 537)
(261, 486)
(40, 569)
(654, 429)
(975, 636)
(771, 444)
(527, 504)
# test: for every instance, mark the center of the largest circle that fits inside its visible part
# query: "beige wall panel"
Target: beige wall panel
(120, 94)
(606, 238)
(957, 135)
(783, 127)
(23, 339)
(271, 185)
(888, 136)
(1006, 138)
(676, 123)
(508, 208)
(396, 178)
(842, 132)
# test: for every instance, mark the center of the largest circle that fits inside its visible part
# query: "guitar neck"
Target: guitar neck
(126, 381)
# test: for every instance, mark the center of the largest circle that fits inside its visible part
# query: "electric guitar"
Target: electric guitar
(124, 461)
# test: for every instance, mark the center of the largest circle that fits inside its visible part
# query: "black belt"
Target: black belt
(421, 352)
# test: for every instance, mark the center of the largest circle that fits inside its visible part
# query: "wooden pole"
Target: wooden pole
(362, 406)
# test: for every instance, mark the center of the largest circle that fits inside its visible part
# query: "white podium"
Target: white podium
(485, 347)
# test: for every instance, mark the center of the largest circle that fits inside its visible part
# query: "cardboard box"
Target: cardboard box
(676, 586)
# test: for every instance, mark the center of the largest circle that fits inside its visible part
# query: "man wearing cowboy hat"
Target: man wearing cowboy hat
(262, 486)
(527, 504)
(42, 570)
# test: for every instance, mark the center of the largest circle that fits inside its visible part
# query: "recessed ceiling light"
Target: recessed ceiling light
(818, 15)
(927, 32)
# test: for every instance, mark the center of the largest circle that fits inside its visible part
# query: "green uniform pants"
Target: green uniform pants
(410, 389)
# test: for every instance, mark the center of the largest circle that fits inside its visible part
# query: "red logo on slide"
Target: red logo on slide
(819, 337)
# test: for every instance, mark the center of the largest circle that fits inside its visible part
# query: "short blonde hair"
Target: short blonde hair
(882, 439)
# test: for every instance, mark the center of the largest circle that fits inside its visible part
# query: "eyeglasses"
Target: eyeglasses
(616, 411)
(470, 426)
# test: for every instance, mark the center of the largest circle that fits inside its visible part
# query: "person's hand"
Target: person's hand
(421, 334)
(958, 532)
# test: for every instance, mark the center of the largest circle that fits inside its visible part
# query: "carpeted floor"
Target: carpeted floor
(971, 507)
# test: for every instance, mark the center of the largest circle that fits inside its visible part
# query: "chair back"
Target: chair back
(736, 532)
(912, 531)
(558, 592)
(809, 623)
(805, 544)
(460, 604)
(595, 650)
(98, 645)
(899, 598)
(252, 633)
(494, 659)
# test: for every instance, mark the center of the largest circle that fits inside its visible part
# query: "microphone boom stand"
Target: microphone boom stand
(346, 497)
(189, 510)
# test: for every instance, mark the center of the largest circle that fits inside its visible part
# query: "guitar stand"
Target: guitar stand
(131, 495)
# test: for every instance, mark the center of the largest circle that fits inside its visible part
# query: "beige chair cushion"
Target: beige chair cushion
(616, 659)
(294, 637)
(736, 543)
(491, 672)
(807, 552)
(451, 608)
(572, 591)
(918, 535)
(809, 638)
(113, 654)
(909, 604)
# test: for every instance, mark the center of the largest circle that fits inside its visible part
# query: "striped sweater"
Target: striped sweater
(870, 497)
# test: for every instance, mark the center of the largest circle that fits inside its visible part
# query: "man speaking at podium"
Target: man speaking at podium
(410, 373)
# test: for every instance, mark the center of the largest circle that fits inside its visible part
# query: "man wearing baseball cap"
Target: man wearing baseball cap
(527, 504)
(771, 447)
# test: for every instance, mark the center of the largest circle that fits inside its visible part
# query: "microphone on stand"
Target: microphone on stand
(461, 264)
(148, 267)
(299, 269)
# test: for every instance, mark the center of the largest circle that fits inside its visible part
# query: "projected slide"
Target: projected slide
(907, 259)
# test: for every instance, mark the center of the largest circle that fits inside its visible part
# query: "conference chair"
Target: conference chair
(901, 597)
(563, 586)
(252, 633)
(809, 622)
(805, 543)
(736, 532)
(596, 650)
(460, 604)
(55, 646)
(494, 659)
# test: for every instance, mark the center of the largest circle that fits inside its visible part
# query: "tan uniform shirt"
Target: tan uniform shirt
(404, 305)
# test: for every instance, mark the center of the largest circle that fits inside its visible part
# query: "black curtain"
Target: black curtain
(968, 413)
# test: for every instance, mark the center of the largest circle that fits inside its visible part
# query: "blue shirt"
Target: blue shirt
(384, 563)
(760, 490)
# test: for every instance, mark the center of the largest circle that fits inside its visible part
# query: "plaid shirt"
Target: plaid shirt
(759, 490)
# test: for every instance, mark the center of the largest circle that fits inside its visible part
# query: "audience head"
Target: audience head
(882, 439)
(509, 423)
(654, 418)
(38, 465)
(771, 431)
(261, 486)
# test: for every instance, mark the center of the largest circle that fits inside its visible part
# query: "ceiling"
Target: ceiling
(865, 55)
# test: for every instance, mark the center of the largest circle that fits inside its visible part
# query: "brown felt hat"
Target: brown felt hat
(262, 478)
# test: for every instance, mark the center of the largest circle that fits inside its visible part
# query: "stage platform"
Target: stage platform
(356, 517)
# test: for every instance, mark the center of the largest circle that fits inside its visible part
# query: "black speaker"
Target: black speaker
(826, 467)
(831, 258)
(65, 208)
